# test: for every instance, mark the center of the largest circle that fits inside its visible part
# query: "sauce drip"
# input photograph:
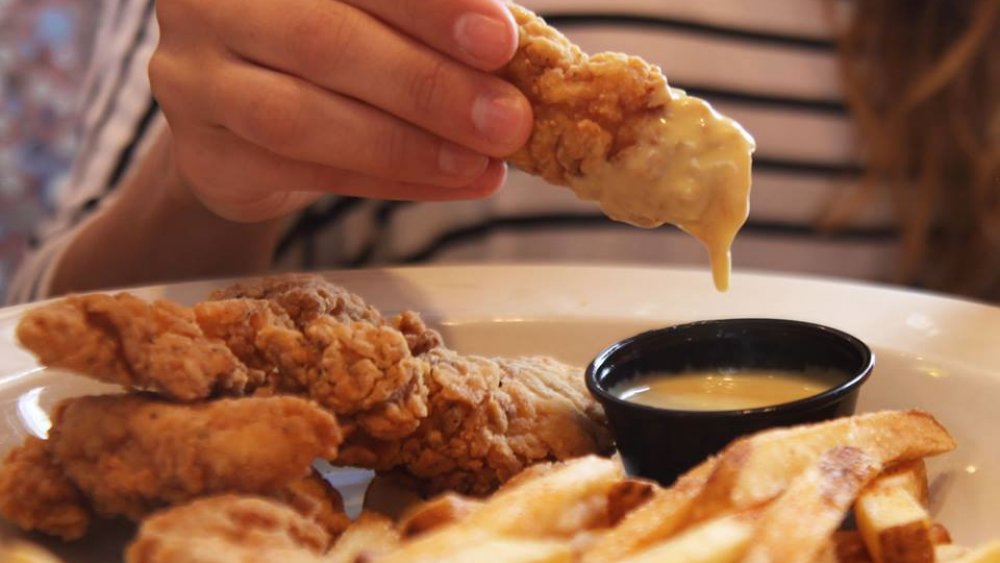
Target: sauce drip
(689, 166)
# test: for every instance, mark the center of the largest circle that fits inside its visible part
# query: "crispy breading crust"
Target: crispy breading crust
(123, 339)
(131, 454)
(586, 108)
(36, 495)
(489, 419)
(403, 399)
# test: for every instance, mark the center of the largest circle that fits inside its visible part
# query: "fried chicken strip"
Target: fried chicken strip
(609, 127)
(212, 349)
(228, 529)
(303, 298)
(586, 108)
(402, 399)
(489, 419)
(122, 339)
(131, 454)
(36, 495)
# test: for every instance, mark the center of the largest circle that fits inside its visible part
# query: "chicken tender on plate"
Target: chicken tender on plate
(303, 298)
(122, 339)
(403, 400)
(131, 454)
(489, 419)
(35, 493)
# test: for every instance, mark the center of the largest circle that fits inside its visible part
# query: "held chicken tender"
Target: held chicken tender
(609, 127)
(131, 454)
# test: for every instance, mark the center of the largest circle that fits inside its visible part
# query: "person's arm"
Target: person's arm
(156, 230)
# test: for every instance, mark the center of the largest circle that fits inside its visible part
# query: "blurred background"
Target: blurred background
(44, 45)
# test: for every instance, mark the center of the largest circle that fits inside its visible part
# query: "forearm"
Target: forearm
(156, 231)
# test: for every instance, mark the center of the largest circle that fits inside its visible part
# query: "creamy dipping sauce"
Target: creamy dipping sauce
(720, 390)
(689, 167)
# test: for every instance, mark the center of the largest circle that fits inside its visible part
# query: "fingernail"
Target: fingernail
(461, 162)
(499, 118)
(485, 39)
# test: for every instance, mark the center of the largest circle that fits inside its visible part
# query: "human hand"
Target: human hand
(272, 103)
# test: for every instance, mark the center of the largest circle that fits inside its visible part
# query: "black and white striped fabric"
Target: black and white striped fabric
(770, 64)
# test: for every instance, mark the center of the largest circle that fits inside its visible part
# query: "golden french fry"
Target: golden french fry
(986, 553)
(796, 525)
(910, 476)
(849, 547)
(626, 496)
(939, 534)
(722, 540)
(531, 472)
(658, 518)
(435, 513)
(946, 553)
(24, 552)
(512, 551)
(370, 535)
(892, 520)
(557, 504)
(757, 468)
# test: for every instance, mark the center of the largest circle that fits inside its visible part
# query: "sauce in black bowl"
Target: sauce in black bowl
(662, 443)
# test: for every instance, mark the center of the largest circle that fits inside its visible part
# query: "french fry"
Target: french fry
(795, 527)
(555, 505)
(24, 552)
(986, 553)
(658, 518)
(370, 535)
(849, 547)
(892, 519)
(910, 476)
(723, 540)
(757, 468)
(939, 534)
(435, 513)
(512, 551)
(626, 496)
(945, 553)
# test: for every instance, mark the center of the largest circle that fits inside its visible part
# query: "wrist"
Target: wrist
(156, 230)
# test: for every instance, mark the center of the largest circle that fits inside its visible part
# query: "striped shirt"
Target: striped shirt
(769, 64)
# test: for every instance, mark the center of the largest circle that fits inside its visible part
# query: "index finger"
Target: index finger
(480, 33)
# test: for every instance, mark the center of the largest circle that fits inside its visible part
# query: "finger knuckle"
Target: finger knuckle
(429, 86)
(392, 150)
(328, 36)
(273, 116)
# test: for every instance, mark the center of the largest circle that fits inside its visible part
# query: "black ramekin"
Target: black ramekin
(661, 444)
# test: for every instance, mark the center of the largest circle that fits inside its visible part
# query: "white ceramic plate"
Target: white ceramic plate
(934, 353)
